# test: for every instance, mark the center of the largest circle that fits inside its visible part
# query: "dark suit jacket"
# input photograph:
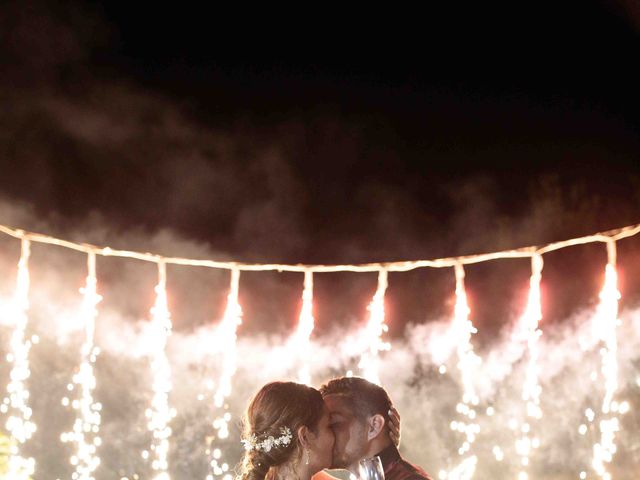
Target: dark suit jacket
(397, 468)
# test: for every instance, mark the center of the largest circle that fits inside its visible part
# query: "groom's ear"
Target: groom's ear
(376, 426)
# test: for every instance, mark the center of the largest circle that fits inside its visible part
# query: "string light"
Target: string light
(227, 336)
(87, 424)
(160, 414)
(604, 328)
(372, 334)
(529, 332)
(468, 362)
(300, 343)
(19, 424)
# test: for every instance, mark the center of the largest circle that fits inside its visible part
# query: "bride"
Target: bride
(286, 433)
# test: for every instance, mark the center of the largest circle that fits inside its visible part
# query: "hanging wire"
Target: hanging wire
(403, 266)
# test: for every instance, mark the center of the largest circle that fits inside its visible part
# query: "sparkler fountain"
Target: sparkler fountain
(604, 326)
(160, 413)
(528, 332)
(372, 335)
(87, 424)
(468, 362)
(226, 335)
(300, 343)
(19, 423)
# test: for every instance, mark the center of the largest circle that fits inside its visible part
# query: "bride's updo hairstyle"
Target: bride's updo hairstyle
(278, 407)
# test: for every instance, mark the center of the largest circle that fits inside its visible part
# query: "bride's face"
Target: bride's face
(321, 444)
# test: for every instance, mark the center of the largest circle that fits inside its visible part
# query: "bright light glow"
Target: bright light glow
(464, 471)
(372, 335)
(19, 423)
(300, 341)
(527, 331)
(624, 407)
(498, 453)
(160, 414)
(468, 362)
(226, 335)
(604, 329)
(87, 424)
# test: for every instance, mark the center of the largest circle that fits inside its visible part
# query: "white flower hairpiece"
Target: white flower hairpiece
(268, 443)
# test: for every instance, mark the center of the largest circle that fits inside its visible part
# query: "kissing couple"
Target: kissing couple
(293, 431)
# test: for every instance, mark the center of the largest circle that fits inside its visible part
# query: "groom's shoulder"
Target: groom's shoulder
(404, 470)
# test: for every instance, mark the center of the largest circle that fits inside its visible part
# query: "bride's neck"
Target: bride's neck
(289, 472)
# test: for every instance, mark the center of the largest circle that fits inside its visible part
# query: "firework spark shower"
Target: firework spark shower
(205, 434)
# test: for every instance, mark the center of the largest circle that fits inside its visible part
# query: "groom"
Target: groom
(359, 413)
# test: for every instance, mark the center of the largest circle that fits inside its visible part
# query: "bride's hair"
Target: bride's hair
(278, 405)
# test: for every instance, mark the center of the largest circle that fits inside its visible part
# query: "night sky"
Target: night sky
(322, 137)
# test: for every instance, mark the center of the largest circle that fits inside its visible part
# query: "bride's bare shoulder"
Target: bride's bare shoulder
(331, 475)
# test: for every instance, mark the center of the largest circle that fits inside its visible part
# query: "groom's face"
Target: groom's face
(350, 432)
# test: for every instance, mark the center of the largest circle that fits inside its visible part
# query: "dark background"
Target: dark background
(331, 136)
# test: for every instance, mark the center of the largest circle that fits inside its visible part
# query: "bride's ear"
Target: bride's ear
(303, 436)
(376, 425)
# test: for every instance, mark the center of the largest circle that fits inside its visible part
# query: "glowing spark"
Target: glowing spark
(461, 329)
(300, 341)
(87, 423)
(529, 332)
(498, 453)
(19, 423)
(160, 414)
(227, 337)
(604, 329)
(372, 335)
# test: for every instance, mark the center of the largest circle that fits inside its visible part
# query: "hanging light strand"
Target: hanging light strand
(227, 338)
(86, 427)
(16, 404)
(604, 326)
(531, 390)
(468, 362)
(159, 414)
(372, 340)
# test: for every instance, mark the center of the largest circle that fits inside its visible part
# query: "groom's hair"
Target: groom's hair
(364, 398)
